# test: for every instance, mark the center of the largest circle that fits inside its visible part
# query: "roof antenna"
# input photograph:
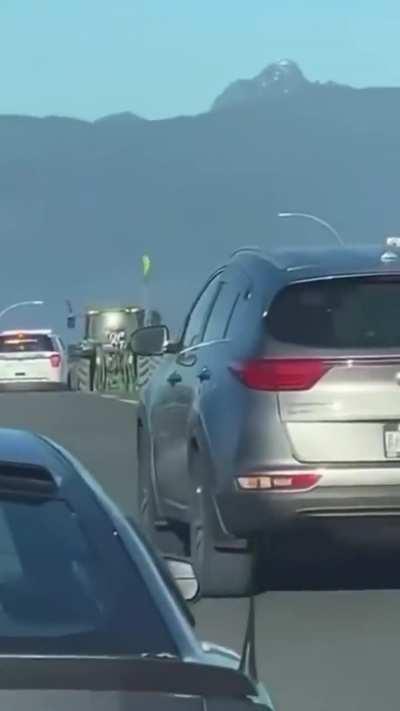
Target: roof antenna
(248, 663)
(314, 218)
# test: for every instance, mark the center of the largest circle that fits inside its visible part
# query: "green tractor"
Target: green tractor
(102, 360)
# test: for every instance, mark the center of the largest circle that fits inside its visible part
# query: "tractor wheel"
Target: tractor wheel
(99, 371)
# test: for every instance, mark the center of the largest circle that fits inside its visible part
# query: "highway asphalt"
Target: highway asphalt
(322, 645)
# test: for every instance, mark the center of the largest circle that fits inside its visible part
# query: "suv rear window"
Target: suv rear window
(28, 342)
(350, 312)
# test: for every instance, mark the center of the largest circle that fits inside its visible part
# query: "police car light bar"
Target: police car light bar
(28, 332)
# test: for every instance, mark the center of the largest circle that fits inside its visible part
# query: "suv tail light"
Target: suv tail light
(281, 373)
(55, 360)
(280, 481)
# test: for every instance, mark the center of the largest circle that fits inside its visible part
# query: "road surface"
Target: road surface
(318, 650)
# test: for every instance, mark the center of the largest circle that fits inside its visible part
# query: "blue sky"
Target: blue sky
(158, 58)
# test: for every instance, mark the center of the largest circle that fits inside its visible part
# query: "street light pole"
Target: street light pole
(314, 218)
(21, 303)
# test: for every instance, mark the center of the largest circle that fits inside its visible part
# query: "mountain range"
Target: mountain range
(80, 202)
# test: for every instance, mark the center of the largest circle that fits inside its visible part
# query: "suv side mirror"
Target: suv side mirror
(149, 341)
(71, 321)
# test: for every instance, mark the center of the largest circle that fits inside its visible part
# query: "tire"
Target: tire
(84, 375)
(99, 372)
(73, 383)
(128, 372)
(161, 534)
(222, 570)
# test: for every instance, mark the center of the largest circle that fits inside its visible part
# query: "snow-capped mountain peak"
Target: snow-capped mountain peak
(282, 77)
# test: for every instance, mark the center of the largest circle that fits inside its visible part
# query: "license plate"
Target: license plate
(391, 435)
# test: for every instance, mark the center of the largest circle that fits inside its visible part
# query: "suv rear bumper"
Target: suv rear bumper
(245, 513)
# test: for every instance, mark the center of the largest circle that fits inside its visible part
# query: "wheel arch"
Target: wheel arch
(199, 446)
(143, 429)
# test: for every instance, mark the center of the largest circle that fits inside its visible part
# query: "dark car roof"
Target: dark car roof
(51, 468)
(308, 263)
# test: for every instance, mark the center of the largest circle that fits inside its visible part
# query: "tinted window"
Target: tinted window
(198, 318)
(222, 312)
(60, 594)
(21, 343)
(356, 312)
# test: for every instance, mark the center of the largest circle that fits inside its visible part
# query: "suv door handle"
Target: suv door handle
(174, 378)
(187, 359)
(204, 374)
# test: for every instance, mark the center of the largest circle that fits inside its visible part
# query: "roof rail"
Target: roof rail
(258, 250)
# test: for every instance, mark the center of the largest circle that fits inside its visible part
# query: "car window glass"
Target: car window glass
(55, 595)
(28, 342)
(221, 314)
(196, 324)
(354, 312)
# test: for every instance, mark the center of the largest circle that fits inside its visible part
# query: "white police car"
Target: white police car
(35, 358)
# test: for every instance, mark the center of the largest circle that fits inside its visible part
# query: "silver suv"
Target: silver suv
(278, 407)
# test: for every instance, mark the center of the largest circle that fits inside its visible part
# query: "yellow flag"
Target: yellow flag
(146, 264)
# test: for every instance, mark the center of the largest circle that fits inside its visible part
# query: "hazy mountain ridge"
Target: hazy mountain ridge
(81, 201)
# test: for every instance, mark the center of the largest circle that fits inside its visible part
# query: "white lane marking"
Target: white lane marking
(109, 397)
(121, 399)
